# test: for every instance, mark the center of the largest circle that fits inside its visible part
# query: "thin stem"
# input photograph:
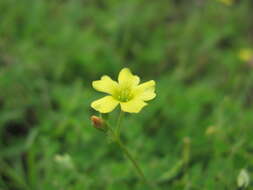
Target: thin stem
(118, 126)
(128, 155)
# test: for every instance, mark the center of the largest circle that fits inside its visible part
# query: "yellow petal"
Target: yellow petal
(133, 106)
(127, 78)
(105, 104)
(146, 91)
(106, 84)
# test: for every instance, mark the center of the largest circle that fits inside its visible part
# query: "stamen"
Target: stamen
(124, 95)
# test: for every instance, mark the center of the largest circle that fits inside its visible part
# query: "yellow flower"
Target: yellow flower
(127, 92)
(246, 54)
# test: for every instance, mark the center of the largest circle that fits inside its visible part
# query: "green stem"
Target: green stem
(128, 155)
(118, 126)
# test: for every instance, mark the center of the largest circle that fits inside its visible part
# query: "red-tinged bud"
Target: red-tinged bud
(98, 123)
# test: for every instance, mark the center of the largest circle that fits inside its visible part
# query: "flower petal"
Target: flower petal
(146, 91)
(133, 106)
(127, 78)
(105, 104)
(105, 84)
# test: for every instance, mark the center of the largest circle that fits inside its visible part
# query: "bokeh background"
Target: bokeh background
(197, 133)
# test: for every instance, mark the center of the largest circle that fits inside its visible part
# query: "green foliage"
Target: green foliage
(197, 133)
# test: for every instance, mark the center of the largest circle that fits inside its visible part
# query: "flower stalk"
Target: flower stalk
(118, 126)
(117, 140)
(130, 157)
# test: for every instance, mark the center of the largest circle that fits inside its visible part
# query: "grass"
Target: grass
(197, 133)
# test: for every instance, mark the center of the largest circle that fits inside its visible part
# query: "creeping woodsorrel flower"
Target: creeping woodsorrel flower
(127, 92)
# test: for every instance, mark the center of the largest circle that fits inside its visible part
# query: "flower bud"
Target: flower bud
(98, 123)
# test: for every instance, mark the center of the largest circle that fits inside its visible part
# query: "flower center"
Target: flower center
(123, 95)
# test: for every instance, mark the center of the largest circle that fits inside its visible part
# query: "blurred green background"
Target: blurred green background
(197, 133)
